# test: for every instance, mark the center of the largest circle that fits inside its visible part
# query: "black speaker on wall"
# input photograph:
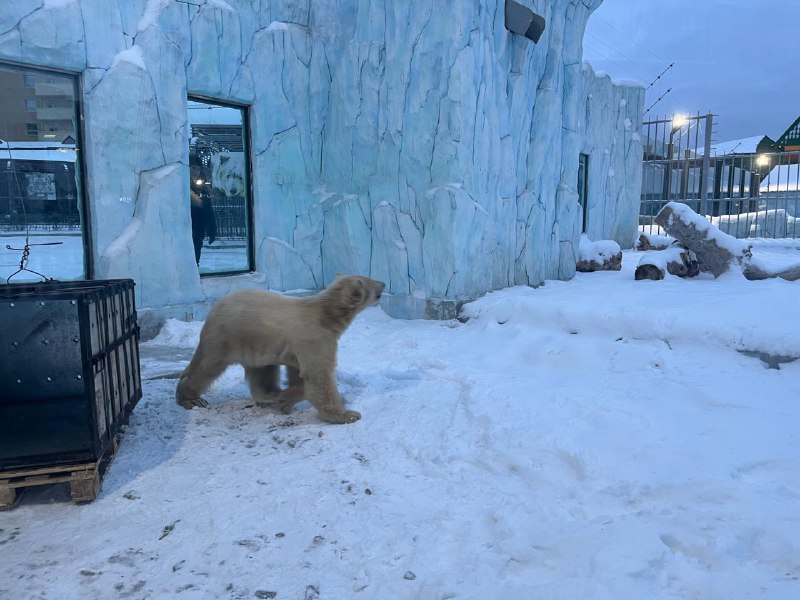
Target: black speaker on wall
(523, 21)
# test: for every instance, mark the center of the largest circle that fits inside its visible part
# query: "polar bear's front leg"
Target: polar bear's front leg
(317, 361)
(318, 371)
(322, 393)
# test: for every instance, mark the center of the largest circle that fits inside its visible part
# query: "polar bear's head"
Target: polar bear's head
(347, 296)
(227, 173)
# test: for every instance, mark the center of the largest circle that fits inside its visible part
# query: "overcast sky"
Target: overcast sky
(739, 59)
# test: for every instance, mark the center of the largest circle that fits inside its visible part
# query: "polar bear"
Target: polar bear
(227, 173)
(262, 330)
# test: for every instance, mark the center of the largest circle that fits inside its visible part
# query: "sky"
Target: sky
(735, 58)
(595, 438)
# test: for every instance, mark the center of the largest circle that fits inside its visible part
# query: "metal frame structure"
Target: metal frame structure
(745, 194)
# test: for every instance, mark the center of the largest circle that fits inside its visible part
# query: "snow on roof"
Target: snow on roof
(782, 178)
(622, 82)
(741, 146)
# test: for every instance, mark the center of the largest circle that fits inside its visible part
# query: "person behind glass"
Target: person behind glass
(203, 221)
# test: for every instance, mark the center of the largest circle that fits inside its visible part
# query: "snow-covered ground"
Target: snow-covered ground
(63, 259)
(600, 438)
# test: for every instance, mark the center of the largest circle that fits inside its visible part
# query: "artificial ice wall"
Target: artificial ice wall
(415, 141)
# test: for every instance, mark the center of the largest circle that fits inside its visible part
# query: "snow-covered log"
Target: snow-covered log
(602, 255)
(651, 241)
(715, 250)
(756, 273)
(675, 261)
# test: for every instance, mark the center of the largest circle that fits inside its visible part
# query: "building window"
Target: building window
(218, 190)
(41, 197)
(583, 188)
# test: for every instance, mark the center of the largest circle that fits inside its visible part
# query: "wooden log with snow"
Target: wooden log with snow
(757, 269)
(654, 264)
(715, 251)
(602, 255)
(651, 241)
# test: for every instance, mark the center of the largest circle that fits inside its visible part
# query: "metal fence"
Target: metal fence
(15, 222)
(745, 194)
(231, 215)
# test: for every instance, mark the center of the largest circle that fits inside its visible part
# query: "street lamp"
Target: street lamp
(678, 121)
(762, 168)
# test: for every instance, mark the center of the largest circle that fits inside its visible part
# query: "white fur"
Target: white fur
(227, 173)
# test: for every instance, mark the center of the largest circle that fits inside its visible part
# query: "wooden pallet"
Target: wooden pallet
(83, 479)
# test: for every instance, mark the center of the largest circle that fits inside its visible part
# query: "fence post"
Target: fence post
(706, 166)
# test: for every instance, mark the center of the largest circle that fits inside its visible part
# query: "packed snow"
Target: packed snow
(601, 438)
(51, 255)
(62, 257)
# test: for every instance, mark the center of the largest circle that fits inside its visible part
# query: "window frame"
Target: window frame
(249, 202)
(583, 188)
(81, 173)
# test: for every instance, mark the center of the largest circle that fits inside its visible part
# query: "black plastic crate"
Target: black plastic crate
(69, 370)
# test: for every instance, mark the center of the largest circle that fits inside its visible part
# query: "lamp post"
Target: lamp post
(678, 121)
(762, 168)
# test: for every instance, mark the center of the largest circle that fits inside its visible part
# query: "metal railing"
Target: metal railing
(40, 222)
(231, 215)
(745, 194)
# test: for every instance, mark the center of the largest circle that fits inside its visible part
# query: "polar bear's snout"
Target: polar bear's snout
(378, 292)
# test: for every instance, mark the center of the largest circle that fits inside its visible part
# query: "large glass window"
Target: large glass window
(218, 189)
(41, 200)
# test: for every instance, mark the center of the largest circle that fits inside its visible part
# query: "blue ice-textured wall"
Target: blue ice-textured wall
(417, 142)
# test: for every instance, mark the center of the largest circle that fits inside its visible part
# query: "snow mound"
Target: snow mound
(179, 334)
(598, 251)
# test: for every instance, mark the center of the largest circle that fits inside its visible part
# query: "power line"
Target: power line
(668, 69)
(589, 33)
(660, 74)
(657, 101)
(601, 55)
(602, 20)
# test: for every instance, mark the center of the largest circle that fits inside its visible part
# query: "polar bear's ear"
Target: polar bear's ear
(339, 276)
(357, 292)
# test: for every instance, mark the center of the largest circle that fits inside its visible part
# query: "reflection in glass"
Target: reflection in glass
(218, 190)
(40, 197)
